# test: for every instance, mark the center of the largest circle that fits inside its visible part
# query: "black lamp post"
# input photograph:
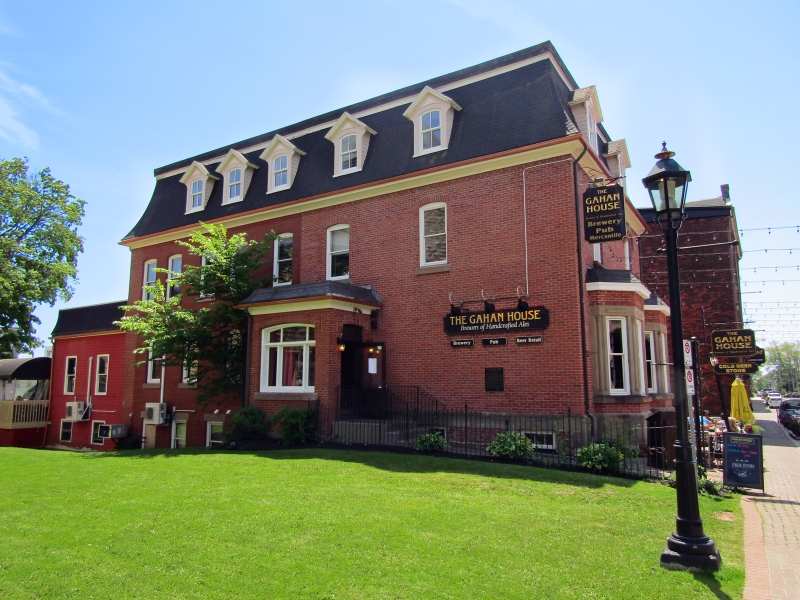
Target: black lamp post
(688, 548)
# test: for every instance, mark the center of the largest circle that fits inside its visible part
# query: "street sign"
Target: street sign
(733, 365)
(687, 353)
(690, 382)
(733, 342)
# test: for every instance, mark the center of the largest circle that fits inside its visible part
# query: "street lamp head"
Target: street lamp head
(666, 184)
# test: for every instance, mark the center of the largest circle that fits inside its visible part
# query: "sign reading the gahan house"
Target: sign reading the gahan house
(735, 342)
(604, 214)
(536, 317)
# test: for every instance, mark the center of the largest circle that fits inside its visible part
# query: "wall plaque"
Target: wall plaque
(733, 342)
(495, 341)
(530, 339)
(462, 343)
(500, 321)
(604, 214)
(742, 461)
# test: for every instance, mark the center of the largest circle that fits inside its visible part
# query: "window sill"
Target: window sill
(348, 172)
(282, 396)
(151, 386)
(431, 151)
(282, 188)
(276, 284)
(189, 212)
(187, 386)
(621, 399)
(432, 269)
(232, 201)
(340, 279)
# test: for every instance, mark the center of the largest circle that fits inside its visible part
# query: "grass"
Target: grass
(338, 524)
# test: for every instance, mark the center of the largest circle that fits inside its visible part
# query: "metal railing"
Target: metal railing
(23, 414)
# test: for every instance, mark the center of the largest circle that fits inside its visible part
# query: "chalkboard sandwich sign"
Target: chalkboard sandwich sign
(742, 461)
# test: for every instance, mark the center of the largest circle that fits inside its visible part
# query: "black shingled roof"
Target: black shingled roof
(89, 319)
(523, 106)
(314, 289)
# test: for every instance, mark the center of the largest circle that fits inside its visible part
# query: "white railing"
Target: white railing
(23, 414)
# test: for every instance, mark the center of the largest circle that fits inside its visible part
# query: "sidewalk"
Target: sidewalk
(772, 520)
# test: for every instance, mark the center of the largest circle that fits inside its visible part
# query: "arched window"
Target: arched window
(288, 359)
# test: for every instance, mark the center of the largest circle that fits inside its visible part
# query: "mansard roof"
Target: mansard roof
(89, 319)
(510, 102)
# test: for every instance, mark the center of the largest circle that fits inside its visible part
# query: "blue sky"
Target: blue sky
(102, 93)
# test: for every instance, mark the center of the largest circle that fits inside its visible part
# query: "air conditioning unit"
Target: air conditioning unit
(155, 413)
(113, 431)
(76, 411)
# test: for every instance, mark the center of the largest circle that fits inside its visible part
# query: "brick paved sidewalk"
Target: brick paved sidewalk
(772, 520)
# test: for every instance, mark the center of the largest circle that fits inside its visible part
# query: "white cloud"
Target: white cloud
(23, 91)
(14, 131)
(506, 14)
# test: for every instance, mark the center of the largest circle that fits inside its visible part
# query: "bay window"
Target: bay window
(288, 359)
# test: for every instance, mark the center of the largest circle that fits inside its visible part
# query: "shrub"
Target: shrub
(511, 444)
(602, 457)
(132, 442)
(297, 426)
(247, 424)
(431, 442)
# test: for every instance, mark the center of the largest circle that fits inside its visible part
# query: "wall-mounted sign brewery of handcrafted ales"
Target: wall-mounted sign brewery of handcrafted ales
(604, 214)
(734, 342)
(536, 317)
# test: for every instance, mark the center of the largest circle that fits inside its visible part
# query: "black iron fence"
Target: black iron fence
(396, 417)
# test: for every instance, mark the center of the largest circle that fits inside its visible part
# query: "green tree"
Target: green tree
(781, 371)
(200, 326)
(39, 247)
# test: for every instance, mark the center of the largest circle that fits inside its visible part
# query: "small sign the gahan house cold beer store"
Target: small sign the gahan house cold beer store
(604, 214)
(536, 317)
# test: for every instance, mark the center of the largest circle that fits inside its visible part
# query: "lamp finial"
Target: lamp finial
(664, 154)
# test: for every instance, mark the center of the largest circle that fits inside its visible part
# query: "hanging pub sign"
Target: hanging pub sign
(733, 365)
(758, 357)
(604, 214)
(742, 461)
(500, 321)
(734, 342)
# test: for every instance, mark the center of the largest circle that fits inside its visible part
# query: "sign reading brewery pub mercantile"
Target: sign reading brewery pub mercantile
(536, 317)
(604, 214)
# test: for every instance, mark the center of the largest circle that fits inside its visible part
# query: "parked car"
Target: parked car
(774, 399)
(789, 415)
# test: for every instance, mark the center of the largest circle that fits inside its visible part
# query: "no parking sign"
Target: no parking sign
(690, 382)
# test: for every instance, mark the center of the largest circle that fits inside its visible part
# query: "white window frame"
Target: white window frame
(186, 371)
(146, 281)
(423, 131)
(170, 266)
(208, 433)
(282, 236)
(422, 211)
(174, 428)
(194, 193)
(283, 170)
(67, 376)
(626, 375)
(664, 366)
(591, 126)
(597, 253)
(98, 375)
(342, 170)
(228, 199)
(640, 362)
(328, 262)
(266, 344)
(650, 365)
(61, 432)
(101, 443)
(150, 365)
(627, 250)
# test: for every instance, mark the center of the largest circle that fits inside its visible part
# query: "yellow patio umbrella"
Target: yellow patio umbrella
(740, 404)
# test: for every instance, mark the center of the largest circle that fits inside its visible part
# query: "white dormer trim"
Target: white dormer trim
(426, 101)
(235, 160)
(197, 172)
(344, 126)
(280, 146)
(587, 112)
(618, 160)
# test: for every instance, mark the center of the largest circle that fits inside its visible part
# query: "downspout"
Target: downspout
(582, 294)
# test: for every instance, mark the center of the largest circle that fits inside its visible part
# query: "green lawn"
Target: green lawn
(338, 524)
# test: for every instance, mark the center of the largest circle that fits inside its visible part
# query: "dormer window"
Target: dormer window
(431, 130)
(199, 183)
(238, 172)
(432, 114)
(235, 184)
(280, 171)
(197, 194)
(349, 155)
(351, 139)
(283, 158)
(585, 107)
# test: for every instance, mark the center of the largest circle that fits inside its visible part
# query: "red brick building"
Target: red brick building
(395, 214)
(710, 289)
(86, 392)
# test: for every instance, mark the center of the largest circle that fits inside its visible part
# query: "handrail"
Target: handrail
(23, 414)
